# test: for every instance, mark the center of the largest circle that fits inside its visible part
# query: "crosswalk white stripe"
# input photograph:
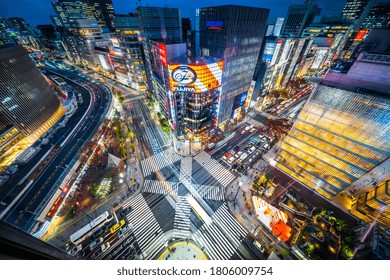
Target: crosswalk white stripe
(220, 173)
(159, 160)
(223, 242)
(202, 239)
(213, 245)
(144, 223)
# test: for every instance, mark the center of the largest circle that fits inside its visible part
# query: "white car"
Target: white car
(105, 246)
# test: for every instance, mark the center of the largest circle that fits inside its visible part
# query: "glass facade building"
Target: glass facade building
(28, 106)
(339, 136)
(194, 91)
(158, 25)
(298, 18)
(130, 45)
(233, 34)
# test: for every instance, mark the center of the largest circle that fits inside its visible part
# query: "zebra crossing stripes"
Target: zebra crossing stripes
(210, 192)
(232, 228)
(220, 173)
(171, 155)
(159, 161)
(214, 242)
(181, 224)
(145, 226)
(165, 187)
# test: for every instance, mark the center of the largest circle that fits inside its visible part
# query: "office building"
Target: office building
(103, 12)
(157, 25)
(354, 9)
(379, 17)
(7, 36)
(298, 18)
(233, 34)
(68, 11)
(28, 105)
(130, 49)
(89, 36)
(275, 27)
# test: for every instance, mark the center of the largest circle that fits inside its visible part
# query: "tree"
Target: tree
(274, 93)
(130, 134)
(283, 94)
(131, 146)
(310, 250)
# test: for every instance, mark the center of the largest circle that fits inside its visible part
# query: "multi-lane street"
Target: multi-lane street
(23, 210)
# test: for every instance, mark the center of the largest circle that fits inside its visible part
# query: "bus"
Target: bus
(117, 226)
(80, 235)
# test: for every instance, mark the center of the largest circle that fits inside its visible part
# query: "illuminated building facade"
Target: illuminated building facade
(130, 48)
(233, 34)
(339, 136)
(353, 9)
(90, 36)
(195, 92)
(157, 25)
(28, 105)
(379, 17)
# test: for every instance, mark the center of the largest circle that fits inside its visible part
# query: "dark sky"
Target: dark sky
(38, 11)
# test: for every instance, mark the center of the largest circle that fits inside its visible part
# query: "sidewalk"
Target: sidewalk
(239, 201)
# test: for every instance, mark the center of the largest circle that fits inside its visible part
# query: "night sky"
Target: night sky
(38, 11)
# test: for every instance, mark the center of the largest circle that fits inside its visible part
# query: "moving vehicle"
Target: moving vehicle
(95, 243)
(117, 226)
(259, 246)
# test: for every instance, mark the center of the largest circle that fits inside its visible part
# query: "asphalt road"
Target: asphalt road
(22, 214)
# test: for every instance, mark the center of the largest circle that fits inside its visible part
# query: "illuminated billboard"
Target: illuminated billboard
(214, 25)
(195, 78)
(360, 34)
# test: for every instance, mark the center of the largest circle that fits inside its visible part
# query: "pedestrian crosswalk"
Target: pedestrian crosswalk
(233, 229)
(210, 192)
(145, 226)
(161, 187)
(220, 173)
(181, 225)
(214, 242)
(221, 238)
(159, 161)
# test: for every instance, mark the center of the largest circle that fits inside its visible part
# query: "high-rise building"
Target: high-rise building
(275, 27)
(298, 17)
(186, 27)
(353, 9)
(7, 36)
(233, 34)
(89, 36)
(68, 11)
(130, 47)
(28, 104)
(157, 25)
(379, 17)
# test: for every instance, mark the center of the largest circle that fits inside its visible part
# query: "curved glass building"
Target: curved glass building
(28, 105)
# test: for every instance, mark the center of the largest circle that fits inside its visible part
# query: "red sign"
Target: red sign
(163, 53)
(360, 35)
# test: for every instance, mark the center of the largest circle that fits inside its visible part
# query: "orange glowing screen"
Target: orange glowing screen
(195, 78)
